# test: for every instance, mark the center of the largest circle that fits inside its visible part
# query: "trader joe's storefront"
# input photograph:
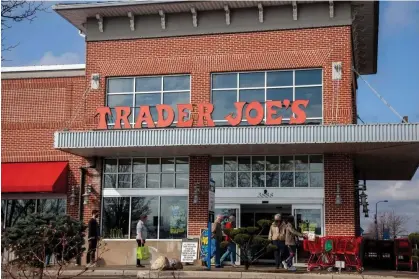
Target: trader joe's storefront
(299, 170)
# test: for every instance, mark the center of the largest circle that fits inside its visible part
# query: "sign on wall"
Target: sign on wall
(253, 113)
(189, 250)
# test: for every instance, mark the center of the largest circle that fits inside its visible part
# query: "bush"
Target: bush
(252, 246)
(38, 235)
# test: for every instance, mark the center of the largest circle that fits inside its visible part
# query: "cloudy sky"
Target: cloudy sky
(52, 40)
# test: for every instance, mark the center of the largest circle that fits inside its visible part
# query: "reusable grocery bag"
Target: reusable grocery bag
(143, 253)
(328, 246)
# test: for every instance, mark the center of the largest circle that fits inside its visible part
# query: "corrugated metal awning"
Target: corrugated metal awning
(388, 151)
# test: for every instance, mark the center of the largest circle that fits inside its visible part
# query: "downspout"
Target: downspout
(81, 191)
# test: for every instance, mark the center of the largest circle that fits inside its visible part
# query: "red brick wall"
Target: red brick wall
(201, 55)
(340, 219)
(32, 110)
(199, 174)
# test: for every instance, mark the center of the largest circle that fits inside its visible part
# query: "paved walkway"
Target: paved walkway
(230, 272)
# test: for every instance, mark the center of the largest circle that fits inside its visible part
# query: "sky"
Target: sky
(50, 39)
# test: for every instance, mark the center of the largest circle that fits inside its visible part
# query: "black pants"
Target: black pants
(91, 251)
(139, 245)
(279, 253)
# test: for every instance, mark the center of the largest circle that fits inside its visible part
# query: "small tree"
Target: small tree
(252, 246)
(396, 224)
(414, 239)
(31, 239)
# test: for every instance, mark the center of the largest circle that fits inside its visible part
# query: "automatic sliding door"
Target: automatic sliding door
(226, 211)
(307, 219)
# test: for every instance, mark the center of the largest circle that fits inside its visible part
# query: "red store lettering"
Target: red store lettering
(166, 115)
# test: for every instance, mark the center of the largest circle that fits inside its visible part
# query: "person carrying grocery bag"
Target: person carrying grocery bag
(142, 250)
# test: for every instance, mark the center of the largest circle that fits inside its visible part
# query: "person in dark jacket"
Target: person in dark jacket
(93, 237)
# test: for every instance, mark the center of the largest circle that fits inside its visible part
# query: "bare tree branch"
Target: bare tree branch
(396, 224)
(14, 11)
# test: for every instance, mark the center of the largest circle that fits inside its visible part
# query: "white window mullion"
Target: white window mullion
(117, 174)
(264, 157)
(129, 218)
(158, 218)
(237, 171)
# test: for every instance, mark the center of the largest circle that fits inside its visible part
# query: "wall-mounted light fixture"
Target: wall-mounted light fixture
(196, 191)
(338, 197)
(73, 196)
(363, 198)
(366, 214)
(86, 194)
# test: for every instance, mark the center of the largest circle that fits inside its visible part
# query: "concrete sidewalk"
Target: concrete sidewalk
(233, 273)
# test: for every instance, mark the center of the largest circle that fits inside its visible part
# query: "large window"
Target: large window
(15, 210)
(167, 216)
(268, 171)
(228, 88)
(135, 92)
(172, 172)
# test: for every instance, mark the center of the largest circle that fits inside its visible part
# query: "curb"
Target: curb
(252, 275)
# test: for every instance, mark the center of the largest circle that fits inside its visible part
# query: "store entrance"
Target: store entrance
(252, 213)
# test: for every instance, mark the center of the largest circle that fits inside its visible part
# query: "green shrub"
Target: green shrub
(37, 235)
(252, 246)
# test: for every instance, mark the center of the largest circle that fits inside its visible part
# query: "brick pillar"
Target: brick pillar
(199, 171)
(340, 219)
(93, 177)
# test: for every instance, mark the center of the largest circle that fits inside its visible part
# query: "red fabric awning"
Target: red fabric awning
(49, 177)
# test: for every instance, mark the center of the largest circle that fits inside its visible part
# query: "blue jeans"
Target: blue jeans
(279, 253)
(231, 251)
(217, 253)
(47, 259)
(292, 249)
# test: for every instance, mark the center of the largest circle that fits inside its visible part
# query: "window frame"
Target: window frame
(131, 173)
(35, 197)
(158, 212)
(251, 171)
(134, 93)
(145, 192)
(266, 87)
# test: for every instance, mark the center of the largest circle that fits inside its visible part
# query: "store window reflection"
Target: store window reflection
(307, 220)
(115, 217)
(14, 210)
(52, 206)
(145, 206)
(173, 217)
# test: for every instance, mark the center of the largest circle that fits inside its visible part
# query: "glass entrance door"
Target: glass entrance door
(226, 211)
(307, 219)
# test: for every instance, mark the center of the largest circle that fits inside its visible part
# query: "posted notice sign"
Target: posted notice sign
(211, 196)
(189, 250)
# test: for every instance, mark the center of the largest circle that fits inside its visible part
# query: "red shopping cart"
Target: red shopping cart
(352, 255)
(320, 253)
(315, 250)
(403, 253)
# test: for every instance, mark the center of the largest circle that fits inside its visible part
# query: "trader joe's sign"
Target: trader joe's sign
(252, 112)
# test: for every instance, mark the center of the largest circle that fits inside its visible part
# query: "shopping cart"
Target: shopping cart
(403, 253)
(320, 253)
(315, 250)
(328, 257)
(352, 255)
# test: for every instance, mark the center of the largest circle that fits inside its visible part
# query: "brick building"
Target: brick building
(78, 137)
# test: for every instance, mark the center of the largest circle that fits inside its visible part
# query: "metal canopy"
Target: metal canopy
(381, 151)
